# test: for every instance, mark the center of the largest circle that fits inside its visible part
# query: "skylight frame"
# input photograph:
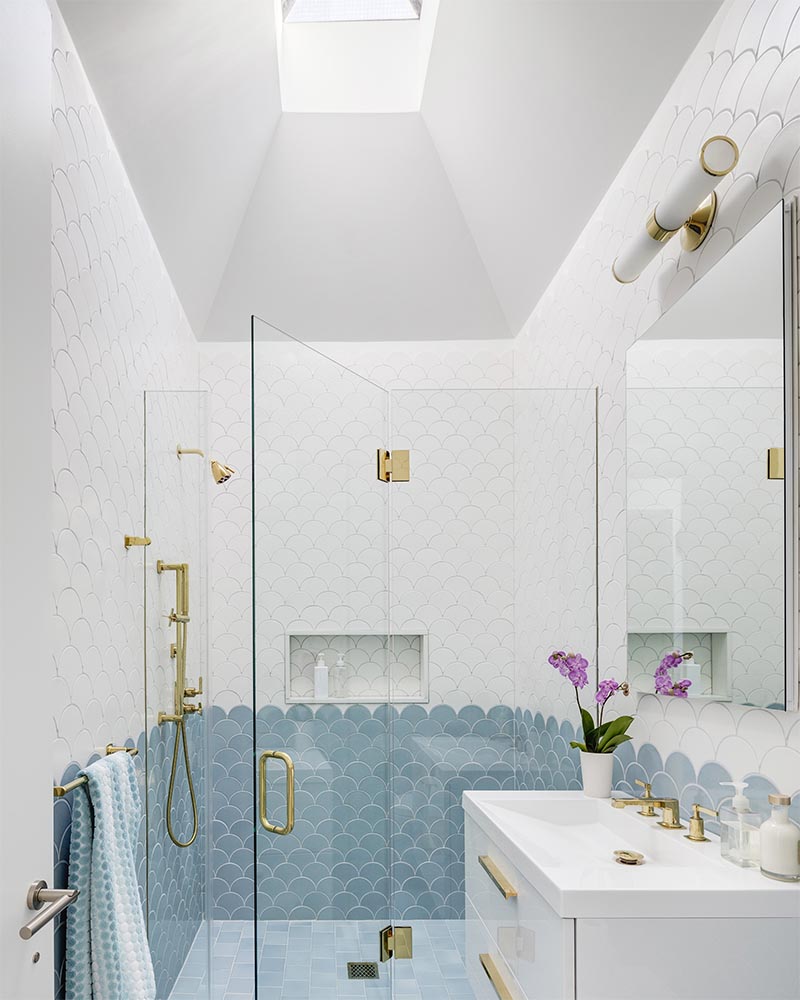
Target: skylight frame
(414, 8)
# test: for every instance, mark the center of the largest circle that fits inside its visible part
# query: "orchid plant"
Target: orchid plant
(664, 683)
(598, 736)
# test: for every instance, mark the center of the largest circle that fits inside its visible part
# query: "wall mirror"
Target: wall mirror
(711, 495)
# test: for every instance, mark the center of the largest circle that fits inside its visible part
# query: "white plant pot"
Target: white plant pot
(597, 770)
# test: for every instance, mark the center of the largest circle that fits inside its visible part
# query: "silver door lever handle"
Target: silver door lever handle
(53, 901)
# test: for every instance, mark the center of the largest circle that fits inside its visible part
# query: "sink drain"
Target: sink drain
(629, 858)
(362, 970)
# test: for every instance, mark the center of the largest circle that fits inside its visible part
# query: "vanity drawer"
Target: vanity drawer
(479, 943)
(536, 944)
(492, 884)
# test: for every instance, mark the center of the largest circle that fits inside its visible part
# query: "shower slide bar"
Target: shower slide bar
(59, 791)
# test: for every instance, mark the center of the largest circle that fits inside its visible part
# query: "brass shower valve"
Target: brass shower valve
(194, 692)
(190, 709)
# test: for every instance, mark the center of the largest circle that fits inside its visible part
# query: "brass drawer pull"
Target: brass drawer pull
(499, 879)
(287, 760)
(495, 978)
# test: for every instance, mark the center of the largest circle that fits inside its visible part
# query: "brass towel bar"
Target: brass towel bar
(59, 791)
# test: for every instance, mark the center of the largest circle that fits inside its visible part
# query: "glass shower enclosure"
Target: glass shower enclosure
(401, 600)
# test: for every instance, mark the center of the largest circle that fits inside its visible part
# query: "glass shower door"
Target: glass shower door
(321, 674)
(493, 555)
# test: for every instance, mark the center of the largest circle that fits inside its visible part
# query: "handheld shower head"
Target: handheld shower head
(221, 472)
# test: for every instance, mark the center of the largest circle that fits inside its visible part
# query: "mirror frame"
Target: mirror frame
(791, 385)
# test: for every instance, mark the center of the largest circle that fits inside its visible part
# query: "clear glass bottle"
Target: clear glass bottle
(780, 842)
(339, 678)
(739, 829)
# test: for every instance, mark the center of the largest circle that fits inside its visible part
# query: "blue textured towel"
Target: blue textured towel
(108, 957)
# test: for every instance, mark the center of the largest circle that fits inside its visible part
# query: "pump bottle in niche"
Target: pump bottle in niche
(320, 678)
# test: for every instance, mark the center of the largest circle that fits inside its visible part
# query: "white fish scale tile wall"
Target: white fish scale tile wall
(117, 328)
(742, 79)
(555, 541)
(453, 575)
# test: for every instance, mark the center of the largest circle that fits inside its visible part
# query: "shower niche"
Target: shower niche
(363, 668)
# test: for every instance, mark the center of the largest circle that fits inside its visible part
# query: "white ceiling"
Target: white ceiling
(190, 91)
(443, 223)
(534, 107)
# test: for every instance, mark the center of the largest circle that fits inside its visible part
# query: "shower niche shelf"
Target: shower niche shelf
(373, 662)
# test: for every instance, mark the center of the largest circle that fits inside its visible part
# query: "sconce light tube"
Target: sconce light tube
(693, 184)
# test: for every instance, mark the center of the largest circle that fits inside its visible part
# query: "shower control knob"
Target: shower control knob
(191, 709)
(194, 692)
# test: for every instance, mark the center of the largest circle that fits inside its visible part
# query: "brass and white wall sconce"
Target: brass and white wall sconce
(688, 207)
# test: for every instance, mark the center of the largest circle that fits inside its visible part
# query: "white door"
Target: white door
(26, 737)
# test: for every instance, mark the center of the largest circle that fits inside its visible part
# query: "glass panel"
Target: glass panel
(176, 497)
(493, 556)
(711, 539)
(321, 674)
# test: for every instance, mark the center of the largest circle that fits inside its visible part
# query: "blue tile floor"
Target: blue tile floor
(307, 960)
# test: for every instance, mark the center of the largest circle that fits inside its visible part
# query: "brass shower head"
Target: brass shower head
(221, 472)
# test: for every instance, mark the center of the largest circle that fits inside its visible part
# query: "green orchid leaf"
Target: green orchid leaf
(577, 746)
(614, 728)
(588, 728)
(612, 742)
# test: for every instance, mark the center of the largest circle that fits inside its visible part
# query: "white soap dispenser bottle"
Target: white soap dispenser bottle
(320, 678)
(739, 829)
(780, 842)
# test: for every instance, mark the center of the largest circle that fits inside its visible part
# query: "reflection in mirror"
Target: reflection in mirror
(710, 557)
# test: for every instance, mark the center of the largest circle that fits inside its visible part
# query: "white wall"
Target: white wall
(117, 329)
(741, 80)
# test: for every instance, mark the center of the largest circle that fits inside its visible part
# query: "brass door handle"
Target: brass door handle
(262, 783)
(495, 978)
(499, 879)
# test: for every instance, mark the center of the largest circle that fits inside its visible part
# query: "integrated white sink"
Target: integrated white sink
(564, 844)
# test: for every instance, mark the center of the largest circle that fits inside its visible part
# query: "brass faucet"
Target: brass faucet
(670, 810)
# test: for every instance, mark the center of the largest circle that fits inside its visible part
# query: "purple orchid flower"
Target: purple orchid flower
(663, 681)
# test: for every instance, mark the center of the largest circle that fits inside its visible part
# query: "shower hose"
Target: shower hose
(180, 738)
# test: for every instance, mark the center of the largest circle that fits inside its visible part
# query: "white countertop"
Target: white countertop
(563, 843)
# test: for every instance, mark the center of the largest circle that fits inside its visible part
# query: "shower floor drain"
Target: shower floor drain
(362, 970)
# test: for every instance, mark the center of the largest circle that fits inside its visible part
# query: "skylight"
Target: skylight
(351, 10)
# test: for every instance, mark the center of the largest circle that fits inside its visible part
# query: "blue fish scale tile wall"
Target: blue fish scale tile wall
(365, 779)
(176, 876)
(379, 803)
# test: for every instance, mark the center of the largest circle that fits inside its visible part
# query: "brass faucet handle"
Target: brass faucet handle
(191, 709)
(647, 809)
(194, 692)
(697, 828)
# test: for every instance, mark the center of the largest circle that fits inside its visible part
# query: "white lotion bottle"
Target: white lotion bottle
(320, 678)
(780, 842)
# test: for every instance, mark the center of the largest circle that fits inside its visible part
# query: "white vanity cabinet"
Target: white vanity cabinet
(550, 925)
(532, 947)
